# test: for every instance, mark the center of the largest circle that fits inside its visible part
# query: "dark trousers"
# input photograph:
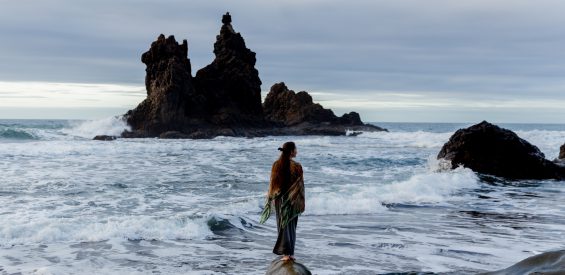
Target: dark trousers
(286, 238)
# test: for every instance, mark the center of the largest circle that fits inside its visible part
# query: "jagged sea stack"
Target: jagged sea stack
(170, 93)
(231, 81)
(224, 98)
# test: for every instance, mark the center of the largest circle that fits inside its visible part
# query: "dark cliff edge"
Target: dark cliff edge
(224, 98)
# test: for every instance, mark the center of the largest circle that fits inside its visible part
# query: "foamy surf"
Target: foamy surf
(111, 126)
(421, 189)
(413, 139)
(88, 229)
(375, 203)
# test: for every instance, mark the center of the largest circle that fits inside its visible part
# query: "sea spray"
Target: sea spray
(112, 126)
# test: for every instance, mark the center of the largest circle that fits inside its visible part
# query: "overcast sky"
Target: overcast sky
(396, 60)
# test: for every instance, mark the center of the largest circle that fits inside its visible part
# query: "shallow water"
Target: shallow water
(375, 203)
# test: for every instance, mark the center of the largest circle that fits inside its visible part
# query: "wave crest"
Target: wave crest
(421, 189)
(16, 134)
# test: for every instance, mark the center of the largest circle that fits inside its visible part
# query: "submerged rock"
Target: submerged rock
(489, 149)
(104, 138)
(548, 263)
(279, 267)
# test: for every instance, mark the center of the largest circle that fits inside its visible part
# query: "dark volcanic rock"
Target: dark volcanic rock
(104, 138)
(548, 263)
(231, 81)
(171, 96)
(280, 267)
(562, 152)
(352, 118)
(226, 93)
(298, 111)
(223, 98)
(289, 108)
(173, 135)
(223, 94)
(489, 149)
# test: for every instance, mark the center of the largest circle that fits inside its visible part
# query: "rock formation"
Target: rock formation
(104, 138)
(170, 92)
(489, 149)
(289, 108)
(300, 115)
(223, 98)
(231, 82)
(562, 152)
(548, 263)
(279, 267)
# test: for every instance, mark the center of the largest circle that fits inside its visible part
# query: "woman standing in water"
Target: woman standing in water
(286, 191)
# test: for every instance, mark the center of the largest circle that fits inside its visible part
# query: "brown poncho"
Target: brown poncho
(292, 199)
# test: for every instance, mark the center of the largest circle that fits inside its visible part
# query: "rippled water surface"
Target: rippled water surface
(375, 203)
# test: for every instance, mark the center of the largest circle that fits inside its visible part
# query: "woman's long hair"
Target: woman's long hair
(280, 175)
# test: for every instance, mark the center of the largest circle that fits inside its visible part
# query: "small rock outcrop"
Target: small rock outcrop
(224, 98)
(298, 112)
(548, 263)
(279, 267)
(289, 108)
(489, 149)
(104, 138)
(562, 152)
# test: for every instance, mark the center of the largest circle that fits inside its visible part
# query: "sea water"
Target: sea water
(375, 203)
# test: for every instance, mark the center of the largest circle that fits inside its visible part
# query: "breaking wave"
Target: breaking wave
(112, 126)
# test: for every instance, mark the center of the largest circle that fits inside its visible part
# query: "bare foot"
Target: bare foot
(285, 258)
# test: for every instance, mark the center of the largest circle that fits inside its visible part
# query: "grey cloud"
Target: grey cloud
(466, 49)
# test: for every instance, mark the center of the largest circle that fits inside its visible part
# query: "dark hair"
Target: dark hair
(280, 175)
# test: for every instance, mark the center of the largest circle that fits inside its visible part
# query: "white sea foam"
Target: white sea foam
(46, 230)
(69, 205)
(412, 139)
(426, 188)
(340, 203)
(112, 126)
(431, 187)
(547, 141)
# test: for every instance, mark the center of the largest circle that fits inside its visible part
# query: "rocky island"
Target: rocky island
(224, 98)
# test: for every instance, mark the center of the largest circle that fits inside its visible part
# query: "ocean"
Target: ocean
(376, 203)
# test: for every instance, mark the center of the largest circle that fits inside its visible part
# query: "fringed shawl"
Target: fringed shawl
(293, 203)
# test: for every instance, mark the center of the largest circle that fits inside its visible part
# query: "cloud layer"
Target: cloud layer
(486, 59)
